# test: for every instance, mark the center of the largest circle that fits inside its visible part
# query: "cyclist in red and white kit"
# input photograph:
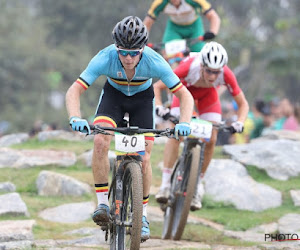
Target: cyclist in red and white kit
(202, 74)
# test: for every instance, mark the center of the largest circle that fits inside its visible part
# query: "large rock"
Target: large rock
(295, 194)
(8, 140)
(279, 134)
(228, 181)
(31, 158)
(86, 157)
(7, 187)
(12, 204)
(69, 213)
(16, 230)
(289, 224)
(279, 158)
(16, 245)
(51, 183)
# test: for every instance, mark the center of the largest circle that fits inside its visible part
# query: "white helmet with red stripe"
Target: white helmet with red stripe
(213, 55)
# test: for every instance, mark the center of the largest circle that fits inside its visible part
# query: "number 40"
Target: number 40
(133, 141)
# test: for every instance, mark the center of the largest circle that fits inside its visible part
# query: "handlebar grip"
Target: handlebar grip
(92, 127)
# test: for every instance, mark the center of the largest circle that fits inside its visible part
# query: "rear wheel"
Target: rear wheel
(184, 197)
(132, 211)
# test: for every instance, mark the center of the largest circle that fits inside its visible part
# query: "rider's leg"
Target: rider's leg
(100, 167)
(209, 108)
(171, 151)
(147, 177)
(209, 151)
(170, 156)
(170, 34)
(147, 170)
(197, 29)
(107, 115)
(208, 154)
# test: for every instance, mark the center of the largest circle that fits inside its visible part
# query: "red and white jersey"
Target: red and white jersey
(189, 72)
(206, 98)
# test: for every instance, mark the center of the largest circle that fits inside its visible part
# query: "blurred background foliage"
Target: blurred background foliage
(46, 44)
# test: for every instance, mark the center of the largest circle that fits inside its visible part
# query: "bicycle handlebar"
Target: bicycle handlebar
(132, 130)
(220, 126)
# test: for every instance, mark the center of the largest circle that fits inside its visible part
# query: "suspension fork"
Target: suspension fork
(119, 203)
(180, 168)
(119, 193)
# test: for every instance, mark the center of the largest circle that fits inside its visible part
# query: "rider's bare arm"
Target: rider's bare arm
(243, 106)
(148, 21)
(186, 104)
(158, 87)
(73, 99)
(214, 21)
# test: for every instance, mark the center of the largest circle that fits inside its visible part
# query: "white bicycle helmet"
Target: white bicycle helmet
(213, 55)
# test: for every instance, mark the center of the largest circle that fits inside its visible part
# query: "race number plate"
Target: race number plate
(129, 143)
(201, 129)
(175, 46)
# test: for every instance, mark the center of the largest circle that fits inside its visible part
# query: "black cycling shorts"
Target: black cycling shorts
(114, 104)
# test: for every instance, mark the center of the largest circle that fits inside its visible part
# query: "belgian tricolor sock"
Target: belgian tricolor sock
(102, 193)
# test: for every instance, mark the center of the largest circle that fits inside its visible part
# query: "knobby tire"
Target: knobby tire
(130, 237)
(183, 202)
(169, 212)
(112, 198)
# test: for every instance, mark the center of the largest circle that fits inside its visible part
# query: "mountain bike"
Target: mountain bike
(184, 178)
(126, 190)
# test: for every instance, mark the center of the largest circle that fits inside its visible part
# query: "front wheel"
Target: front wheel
(185, 196)
(169, 207)
(129, 233)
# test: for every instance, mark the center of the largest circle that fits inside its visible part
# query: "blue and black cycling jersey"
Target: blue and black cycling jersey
(151, 65)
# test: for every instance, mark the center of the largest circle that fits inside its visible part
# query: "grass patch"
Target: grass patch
(210, 236)
(227, 215)
(77, 147)
(200, 233)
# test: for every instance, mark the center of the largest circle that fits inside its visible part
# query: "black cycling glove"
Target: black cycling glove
(208, 35)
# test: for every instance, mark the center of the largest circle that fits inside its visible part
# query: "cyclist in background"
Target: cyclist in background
(185, 20)
(129, 66)
(202, 74)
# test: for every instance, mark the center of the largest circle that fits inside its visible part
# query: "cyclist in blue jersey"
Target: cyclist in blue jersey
(129, 67)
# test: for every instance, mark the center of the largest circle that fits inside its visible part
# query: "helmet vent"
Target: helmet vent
(214, 55)
(130, 33)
